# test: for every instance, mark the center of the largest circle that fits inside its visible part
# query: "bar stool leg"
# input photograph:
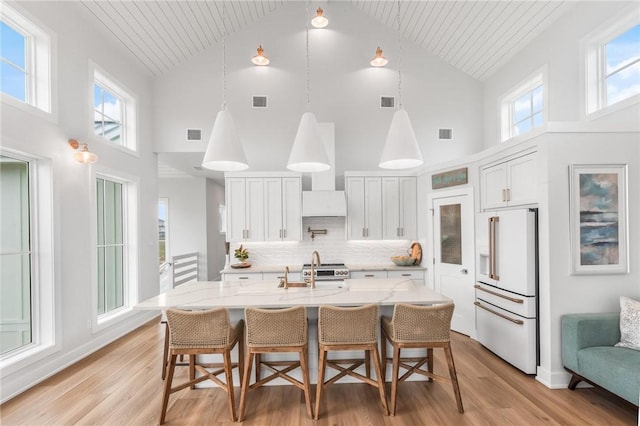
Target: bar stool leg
(394, 380)
(304, 365)
(454, 377)
(322, 364)
(228, 372)
(376, 364)
(245, 384)
(167, 387)
(165, 354)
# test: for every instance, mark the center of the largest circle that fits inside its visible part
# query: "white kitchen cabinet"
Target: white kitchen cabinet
(399, 208)
(368, 274)
(245, 209)
(364, 208)
(417, 276)
(509, 183)
(242, 277)
(282, 210)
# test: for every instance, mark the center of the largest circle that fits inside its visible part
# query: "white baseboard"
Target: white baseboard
(22, 379)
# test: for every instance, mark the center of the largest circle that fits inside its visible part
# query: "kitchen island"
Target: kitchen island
(237, 295)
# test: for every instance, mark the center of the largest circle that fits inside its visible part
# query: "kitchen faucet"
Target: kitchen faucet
(314, 256)
(284, 282)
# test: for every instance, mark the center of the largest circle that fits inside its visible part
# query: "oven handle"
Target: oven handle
(511, 299)
(515, 321)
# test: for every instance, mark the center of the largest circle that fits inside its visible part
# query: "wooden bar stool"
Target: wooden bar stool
(195, 333)
(273, 331)
(425, 327)
(346, 329)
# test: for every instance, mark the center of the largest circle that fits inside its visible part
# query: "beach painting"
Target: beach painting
(599, 219)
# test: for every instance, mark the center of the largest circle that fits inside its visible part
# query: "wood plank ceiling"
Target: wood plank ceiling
(477, 37)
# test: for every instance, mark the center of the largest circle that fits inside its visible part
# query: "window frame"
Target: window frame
(130, 225)
(506, 106)
(129, 106)
(594, 72)
(40, 64)
(45, 298)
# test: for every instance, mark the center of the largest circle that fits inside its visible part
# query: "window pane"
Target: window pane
(113, 212)
(450, 234)
(14, 82)
(522, 127)
(113, 278)
(113, 131)
(537, 99)
(162, 230)
(15, 301)
(101, 283)
(100, 209)
(623, 84)
(97, 98)
(112, 107)
(12, 45)
(623, 50)
(522, 108)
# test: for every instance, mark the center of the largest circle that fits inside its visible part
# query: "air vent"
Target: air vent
(194, 135)
(259, 101)
(444, 133)
(387, 102)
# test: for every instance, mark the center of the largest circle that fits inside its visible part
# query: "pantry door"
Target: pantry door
(453, 249)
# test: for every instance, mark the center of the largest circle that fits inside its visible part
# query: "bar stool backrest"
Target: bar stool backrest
(348, 325)
(411, 323)
(276, 327)
(199, 329)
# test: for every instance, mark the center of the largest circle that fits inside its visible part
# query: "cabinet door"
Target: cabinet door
(273, 209)
(367, 274)
(254, 221)
(355, 208)
(236, 206)
(291, 209)
(390, 208)
(408, 207)
(373, 208)
(414, 275)
(521, 180)
(494, 185)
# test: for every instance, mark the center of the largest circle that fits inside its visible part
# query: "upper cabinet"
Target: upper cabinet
(283, 206)
(381, 207)
(399, 207)
(263, 208)
(509, 183)
(364, 203)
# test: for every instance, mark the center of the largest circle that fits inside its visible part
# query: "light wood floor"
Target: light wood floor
(121, 385)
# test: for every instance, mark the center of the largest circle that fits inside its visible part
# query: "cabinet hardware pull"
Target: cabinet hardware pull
(515, 321)
(284, 233)
(363, 232)
(406, 275)
(508, 194)
(402, 232)
(369, 275)
(243, 278)
(511, 299)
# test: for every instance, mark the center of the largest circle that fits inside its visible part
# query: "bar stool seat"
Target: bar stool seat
(346, 329)
(275, 331)
(425, 327)
(195, 333)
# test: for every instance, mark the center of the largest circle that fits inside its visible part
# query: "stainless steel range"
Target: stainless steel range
(326, 271)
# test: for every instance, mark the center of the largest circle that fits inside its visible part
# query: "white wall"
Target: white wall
(77, 43)
(187, 217)
(559, 49)
(344, 90)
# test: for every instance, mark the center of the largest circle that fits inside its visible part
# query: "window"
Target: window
(116, 258)
(25, 58)
(163, 228)
(114, 111)
(27, 298)
(613, 65)
(523, 108)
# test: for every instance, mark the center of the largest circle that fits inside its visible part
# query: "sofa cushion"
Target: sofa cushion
(614, 368)
(629, 323)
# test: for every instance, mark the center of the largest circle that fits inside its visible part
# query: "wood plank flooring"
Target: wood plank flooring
(121, 385)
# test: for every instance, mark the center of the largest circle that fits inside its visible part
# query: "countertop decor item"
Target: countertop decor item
(241, 265)
(416, 253)
(403, 260)
(241, 254)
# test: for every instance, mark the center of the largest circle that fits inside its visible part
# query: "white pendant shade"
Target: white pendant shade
(224, 151)
(401, 150)
(308, 153)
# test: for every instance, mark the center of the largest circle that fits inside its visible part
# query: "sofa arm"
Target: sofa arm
(586, 330)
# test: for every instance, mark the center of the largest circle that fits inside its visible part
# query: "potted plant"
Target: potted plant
(241, 254)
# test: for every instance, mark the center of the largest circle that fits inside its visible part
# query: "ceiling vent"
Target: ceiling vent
(444, 133)
(194, 135)
(387, 102)
(259, 101)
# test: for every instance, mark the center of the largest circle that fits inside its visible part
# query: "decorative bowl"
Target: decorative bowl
(403, 260)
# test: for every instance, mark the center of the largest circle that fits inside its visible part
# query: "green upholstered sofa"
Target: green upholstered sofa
(589, 354)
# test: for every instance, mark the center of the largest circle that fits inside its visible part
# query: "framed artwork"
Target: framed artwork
(599, 239)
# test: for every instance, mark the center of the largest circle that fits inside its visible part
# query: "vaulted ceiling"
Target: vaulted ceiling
(477, 37)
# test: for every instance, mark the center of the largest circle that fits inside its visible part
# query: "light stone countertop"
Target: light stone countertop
(385, 267)
(298, 268)
(262, 268)
(240, 294)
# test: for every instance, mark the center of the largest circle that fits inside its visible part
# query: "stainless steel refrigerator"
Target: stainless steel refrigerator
(507, 286)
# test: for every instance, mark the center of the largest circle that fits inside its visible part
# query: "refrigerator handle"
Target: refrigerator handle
(515, 321)
(510, 299)
(493, 220)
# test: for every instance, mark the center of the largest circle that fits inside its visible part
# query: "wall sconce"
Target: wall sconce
(260, 59)
(379, 60)
(319, 21)
(82, 154)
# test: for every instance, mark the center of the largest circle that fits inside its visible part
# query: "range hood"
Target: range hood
(323, 200)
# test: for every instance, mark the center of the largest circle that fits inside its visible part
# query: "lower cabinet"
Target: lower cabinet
(242, 277)
(416, 275)
(368, 274)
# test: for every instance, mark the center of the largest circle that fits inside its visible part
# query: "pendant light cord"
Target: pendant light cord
(224, 59)
(306, 16)
(399, 59)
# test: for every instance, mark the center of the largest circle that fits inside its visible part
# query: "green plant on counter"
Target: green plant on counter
(241, 254)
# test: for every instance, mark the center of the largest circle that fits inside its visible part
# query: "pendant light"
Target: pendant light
(224, 151)
(308, 153)
(379, 60)
(260, 60)
(401, 150)
(319, 21)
